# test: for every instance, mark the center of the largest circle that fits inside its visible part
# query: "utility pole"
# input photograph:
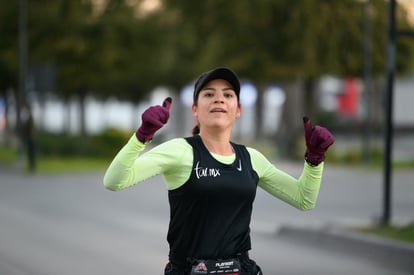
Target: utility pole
(21, 91)
(366, 146)
(392, 35)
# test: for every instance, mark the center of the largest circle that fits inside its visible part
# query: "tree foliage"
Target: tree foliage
(8, 46)
(115, 51)
(270, 40)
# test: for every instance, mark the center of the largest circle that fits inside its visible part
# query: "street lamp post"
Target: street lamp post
(21, 91)
(392, 35)
(367, 79)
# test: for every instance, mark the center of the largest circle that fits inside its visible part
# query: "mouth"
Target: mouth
(218, 110)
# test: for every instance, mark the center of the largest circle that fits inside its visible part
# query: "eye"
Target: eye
(208, 94)
(228, 95)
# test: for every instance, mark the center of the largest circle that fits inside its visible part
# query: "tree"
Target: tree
(8, 55)
(283, 41)
(105, 53)
(112, 51)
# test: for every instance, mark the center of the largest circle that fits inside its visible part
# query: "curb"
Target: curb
(399, 255)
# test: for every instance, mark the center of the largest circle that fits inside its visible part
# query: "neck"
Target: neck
(217, 144)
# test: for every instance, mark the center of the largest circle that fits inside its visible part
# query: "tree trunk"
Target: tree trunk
(82, 115)
(7, 129)
(259, 113)
(66, 115)
(310, 108)
(291, 128)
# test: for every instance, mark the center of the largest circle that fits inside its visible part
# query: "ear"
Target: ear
(194, 110)
(238, 112)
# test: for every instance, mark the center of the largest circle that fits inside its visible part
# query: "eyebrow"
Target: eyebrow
(213, 89)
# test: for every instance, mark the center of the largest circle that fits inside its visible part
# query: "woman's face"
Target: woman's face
(217, 105)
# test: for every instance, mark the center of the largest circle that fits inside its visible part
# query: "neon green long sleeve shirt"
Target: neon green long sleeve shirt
(173, 160)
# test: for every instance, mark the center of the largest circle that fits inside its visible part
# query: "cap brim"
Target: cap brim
(218, 73)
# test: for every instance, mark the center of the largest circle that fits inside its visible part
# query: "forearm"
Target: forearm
(173, 159)
(309, 185)
(301, 193)
(121, 173)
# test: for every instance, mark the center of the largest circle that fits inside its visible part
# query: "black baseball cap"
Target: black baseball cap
(217, 73)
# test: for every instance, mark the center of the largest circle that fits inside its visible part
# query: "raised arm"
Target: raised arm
(122, 172)
(301, 192)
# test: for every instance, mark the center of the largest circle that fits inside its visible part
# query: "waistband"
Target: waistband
(184, 265)
(241, 256)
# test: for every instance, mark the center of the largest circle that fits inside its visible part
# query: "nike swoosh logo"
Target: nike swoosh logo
(239, 168)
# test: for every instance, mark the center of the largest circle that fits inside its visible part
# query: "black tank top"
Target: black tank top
(210, 214)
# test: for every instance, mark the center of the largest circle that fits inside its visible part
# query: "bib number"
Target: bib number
(217, 267)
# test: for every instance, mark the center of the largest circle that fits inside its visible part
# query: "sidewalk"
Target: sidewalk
(384, 251)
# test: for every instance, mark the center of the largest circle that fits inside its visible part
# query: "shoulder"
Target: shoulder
(260, 162)
(255, 154)
(175, 144)
(171, 152)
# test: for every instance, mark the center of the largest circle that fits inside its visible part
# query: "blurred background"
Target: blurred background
(76, 75)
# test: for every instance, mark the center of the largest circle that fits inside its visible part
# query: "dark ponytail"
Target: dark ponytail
(196, 130)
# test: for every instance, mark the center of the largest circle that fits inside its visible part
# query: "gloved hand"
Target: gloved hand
(153, 119)
(318, 139)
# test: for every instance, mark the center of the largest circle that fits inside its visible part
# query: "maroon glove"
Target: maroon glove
(153, 119)
(318, 139)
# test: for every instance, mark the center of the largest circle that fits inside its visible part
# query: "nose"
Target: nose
(219, 97)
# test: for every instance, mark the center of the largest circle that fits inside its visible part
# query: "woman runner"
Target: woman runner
(212, 181)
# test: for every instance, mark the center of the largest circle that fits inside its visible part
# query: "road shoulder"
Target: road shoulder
(397, 254)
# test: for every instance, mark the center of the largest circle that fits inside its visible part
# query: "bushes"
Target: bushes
(105, 144)
(7, 154)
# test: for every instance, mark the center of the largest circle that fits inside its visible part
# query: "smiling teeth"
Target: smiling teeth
(218, 110)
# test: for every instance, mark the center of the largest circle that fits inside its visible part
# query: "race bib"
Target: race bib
(218, 267)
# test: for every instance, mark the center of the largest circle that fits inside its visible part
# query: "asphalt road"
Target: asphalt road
(70, 224)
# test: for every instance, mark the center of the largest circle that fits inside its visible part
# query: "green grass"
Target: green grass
(58, 164)
(402, 233)
(48, 165)
(7, 154)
